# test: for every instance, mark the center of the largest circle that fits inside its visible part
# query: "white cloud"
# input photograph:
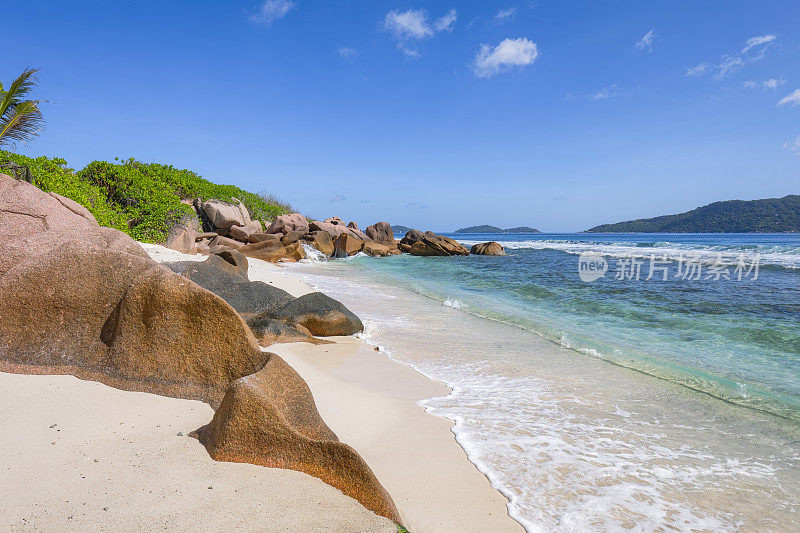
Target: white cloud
(758, 40)
(792, 99)
(271, 10)
(772, 83)
(348, 53)
(754, 50)
(504, 15)
(606, 92)
(338, 198)
(699, 70)
(491, 61)
(728, 66)
(646, 42)
(446, 22)
(413, 25)
(793, 146)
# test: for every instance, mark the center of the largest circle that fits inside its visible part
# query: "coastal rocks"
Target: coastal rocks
(261, 237)
(224, 214)
(226, 276)
(293, 222)
(431, 244)
(346, 245)
(375, 249)
(273, 251)
(487, 248)
(320, 314)
(333, 230)
(219, 244)
(182, 239)
(321, 240)
(269, 331)
(290, 237)
(381, 233)
(411, 237)
(263, 420)
(87, 301)
(243, 233)
(335, 221)
(352, 225)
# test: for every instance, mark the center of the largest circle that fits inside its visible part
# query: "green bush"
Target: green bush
(140, 199)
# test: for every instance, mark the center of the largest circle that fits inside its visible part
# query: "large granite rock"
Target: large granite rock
(411, 237)
(226, 276)
(88, 301)
(375, 249)
(346, 245)
(294, 222)
(487, 248)
(182, 239)
(274, 251)
(381, 233)
(432, 244)
(226, 214)
(322, 241)
(243, 233)
(320, 314)
(263, 412)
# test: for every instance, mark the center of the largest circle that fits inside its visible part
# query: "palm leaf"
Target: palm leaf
(20, 119)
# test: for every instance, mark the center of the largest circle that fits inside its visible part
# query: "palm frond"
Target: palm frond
(20, 119)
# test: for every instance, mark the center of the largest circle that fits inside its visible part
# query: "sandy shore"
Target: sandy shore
(114, 458)
(81, 456)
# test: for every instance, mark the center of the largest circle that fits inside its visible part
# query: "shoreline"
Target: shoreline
(372, 402)
(484, 507)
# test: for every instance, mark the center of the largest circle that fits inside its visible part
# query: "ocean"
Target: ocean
(606, 381)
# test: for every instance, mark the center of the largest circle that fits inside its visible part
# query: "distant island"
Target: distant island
(484, 228)
(397, 229)
(769, 215)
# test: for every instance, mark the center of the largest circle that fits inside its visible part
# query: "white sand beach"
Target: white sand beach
(81, 454)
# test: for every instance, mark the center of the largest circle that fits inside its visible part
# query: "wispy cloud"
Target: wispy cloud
(697, 71)
(728, 66)
(758, 40)
(510, 53)
(270, 11)
(504, 15)
(791, 99)
(446, 22)
(338, 198)
(793, 146)
(754, 50)
(770, 84)
(416, 205)
(646, 42)
(606, 92)
(348, 53)
(409, 27)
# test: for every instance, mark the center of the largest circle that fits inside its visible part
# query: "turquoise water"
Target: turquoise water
(735, 339)
(616, 404)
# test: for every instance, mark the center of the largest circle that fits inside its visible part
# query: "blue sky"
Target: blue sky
(559, 115)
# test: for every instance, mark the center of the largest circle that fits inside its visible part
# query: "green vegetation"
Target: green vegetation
(140, 199)
(770, 215)
(20, 119)
(494, 229)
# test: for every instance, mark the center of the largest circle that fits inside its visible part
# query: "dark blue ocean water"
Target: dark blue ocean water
(726, 321)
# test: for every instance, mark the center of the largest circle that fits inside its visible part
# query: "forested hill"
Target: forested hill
(770, 215)
(494, 229)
